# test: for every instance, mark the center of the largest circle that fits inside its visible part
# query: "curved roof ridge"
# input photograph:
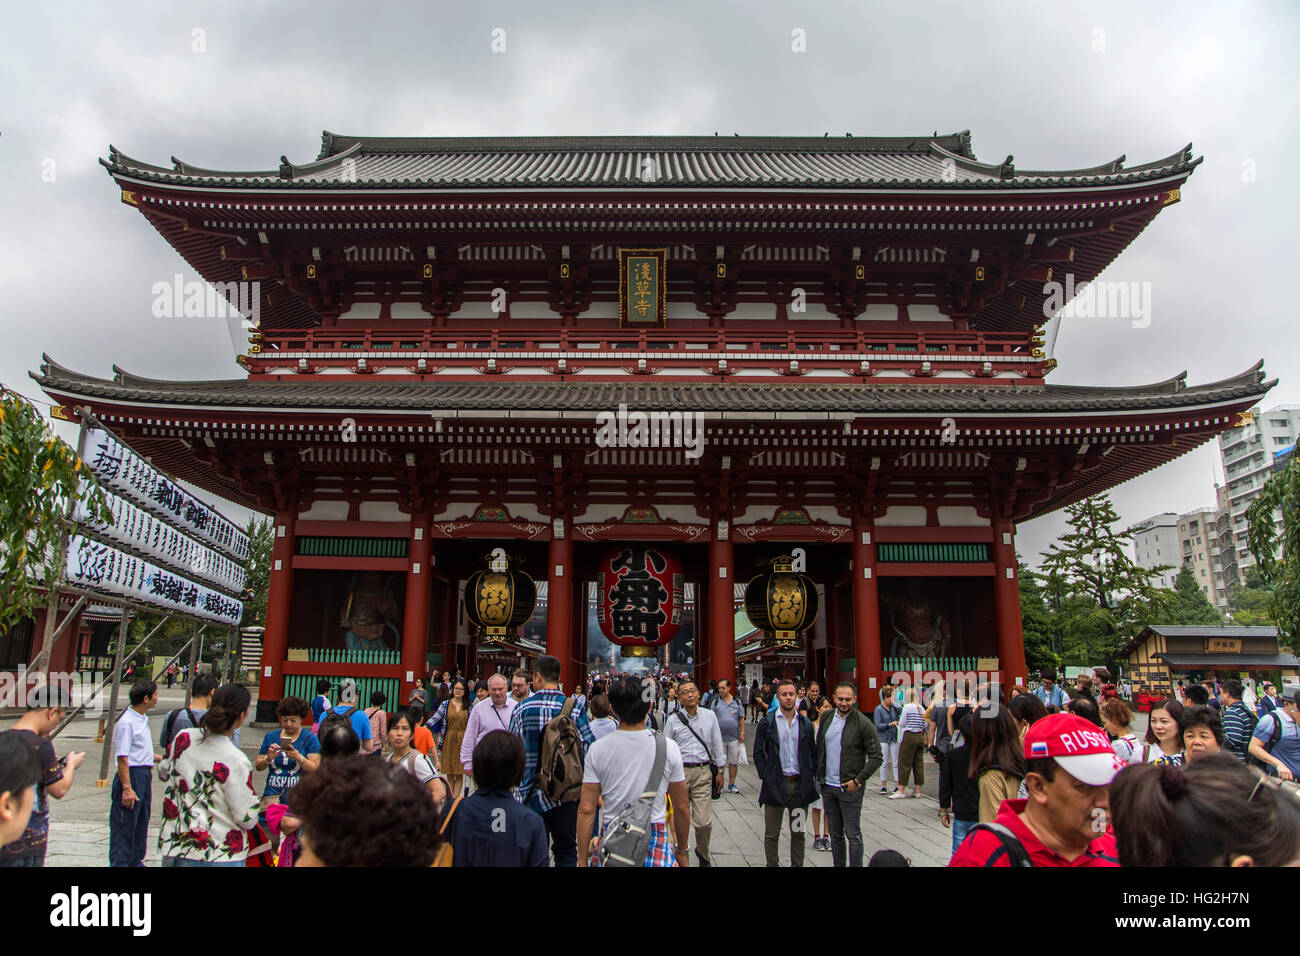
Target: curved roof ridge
(333, 143)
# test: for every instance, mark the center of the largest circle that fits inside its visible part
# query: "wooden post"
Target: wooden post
(866, 610)
(279, 599)
(415, 625)
(1006, 605)
(559, 602)
(189, 674)
(722, 610)
(106, 756)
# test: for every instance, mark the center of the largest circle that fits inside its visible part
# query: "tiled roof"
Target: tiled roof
(769, 162)
(1211, 630)
(361, 394)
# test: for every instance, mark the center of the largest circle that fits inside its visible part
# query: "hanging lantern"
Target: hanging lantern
(782, 603)
(499, 599)
(642, 592)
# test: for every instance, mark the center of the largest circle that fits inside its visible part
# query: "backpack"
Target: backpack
(559, 758)
(1010, 842)
(627, 835)
(1273, 738)
(168, 731)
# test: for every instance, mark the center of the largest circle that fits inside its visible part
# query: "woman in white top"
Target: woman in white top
(1164, 733)
(400, 754)
(1115, 717)
(911, 750)
(209, 803)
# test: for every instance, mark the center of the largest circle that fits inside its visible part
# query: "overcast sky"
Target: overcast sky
(1059, 85)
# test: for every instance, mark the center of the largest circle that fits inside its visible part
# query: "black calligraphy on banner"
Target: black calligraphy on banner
(636, 598)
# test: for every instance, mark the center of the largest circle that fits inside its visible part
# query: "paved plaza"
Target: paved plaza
(79, 822)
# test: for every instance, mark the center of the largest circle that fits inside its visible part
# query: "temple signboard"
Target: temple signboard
(642, 285)
(1223, 645)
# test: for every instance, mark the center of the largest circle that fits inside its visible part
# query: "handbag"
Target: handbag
(714, 770)
(626, 840)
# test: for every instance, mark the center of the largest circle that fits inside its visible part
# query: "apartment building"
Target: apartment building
(1156, 543)
(1248, 454)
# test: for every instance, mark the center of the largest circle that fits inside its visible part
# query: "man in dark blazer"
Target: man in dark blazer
(783, 757)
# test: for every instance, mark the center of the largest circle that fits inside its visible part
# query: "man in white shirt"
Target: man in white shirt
(493, 714)
(132, 794)
(617, 770)
(698, 736)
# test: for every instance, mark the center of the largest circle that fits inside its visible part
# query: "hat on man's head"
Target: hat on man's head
(1291, 692)
(1080, 748)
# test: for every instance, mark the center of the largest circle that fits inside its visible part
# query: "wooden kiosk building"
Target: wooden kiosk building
(439, 323)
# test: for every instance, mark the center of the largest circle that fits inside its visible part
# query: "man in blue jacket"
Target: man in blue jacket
(783, 757)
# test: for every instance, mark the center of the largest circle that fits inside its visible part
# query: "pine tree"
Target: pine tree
(1190, 605)
(1036, 624)
(1100, 595)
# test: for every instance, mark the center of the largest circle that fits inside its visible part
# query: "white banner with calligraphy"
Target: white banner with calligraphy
(126, 473)
(138, 531)
(98, 566)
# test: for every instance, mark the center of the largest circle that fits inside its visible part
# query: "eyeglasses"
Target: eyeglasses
(1281, 786)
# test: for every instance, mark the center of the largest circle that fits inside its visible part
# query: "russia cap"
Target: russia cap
(1080, 748)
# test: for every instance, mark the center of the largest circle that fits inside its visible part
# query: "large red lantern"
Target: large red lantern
(642, 593)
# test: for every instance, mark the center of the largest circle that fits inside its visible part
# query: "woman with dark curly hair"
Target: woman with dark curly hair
(1202, 729)
(1214, 812)
(349, 809)
(210, 803)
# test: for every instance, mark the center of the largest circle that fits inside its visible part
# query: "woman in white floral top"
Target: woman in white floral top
(209, 804)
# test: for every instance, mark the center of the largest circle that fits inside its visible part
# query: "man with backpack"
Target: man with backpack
(184, 717)
(632, 775)
(356, 716)
(1276, 741)
(1238, 722)
(555, 734)
(1069, 765)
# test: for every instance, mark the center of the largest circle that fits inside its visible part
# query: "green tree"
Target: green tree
(41, 479)
(1251, 604)
(1189, 604)
(1037, 625)
(1278, 554)
(1100, 596)
(258, 582)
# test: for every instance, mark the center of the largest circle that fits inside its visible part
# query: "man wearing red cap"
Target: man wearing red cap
(1070, 765)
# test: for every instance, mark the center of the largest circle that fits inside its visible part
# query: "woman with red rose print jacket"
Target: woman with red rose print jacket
(209, 803)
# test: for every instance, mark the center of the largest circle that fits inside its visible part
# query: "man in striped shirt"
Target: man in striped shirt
(1238, 722)
(529, 719)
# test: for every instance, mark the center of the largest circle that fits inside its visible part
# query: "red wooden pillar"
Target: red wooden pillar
(559, 603)
(415, 629)
(1006, 605)
(866, 612)
(279, 599)
(722, 609)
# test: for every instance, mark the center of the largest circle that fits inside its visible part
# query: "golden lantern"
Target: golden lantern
(782, 603)
(499, 599)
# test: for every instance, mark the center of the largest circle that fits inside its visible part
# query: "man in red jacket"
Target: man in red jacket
(1070, 765)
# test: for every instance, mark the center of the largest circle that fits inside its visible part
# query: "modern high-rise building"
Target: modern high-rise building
(1223, 554)
(1248, 456)
(1197, 541)
(1155, 543)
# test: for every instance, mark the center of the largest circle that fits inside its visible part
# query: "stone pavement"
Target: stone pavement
(79, 822)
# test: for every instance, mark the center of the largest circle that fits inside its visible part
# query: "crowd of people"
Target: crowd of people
(514, 771)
